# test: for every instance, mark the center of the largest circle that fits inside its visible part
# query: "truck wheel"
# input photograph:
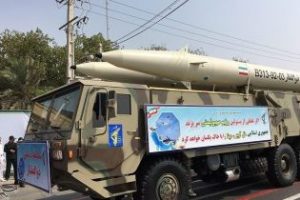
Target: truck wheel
(253, 166)
(165, 180)
(282, 166)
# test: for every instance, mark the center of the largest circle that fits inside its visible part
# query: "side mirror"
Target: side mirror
(112, 104)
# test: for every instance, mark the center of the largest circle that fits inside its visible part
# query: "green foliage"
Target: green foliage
(31, 64)
(56, 68)
(163, 48)
(197, 52)
(23, 61)
(156, 47)
(85, 46)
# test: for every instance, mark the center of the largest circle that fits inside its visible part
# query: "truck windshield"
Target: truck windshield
(55, 112)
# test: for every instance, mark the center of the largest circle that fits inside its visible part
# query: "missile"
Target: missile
(203, 70)
(107, 71)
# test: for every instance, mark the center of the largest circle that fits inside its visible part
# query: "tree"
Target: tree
(200, 52)
(57, 61)
(156, 47)
(23, 61)
(242, 60)
(31, 64)
(85, 46)
(56, 68)
(163, 48)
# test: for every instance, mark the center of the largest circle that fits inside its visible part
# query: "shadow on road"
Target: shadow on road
(71, 196)
(233, 190)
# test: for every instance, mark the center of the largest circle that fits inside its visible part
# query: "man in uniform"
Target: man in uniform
(10, 148)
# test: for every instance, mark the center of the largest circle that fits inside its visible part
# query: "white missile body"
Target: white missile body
(203, 70)
(107, 71)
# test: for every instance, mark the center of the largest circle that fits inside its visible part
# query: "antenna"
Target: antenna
(107, 22)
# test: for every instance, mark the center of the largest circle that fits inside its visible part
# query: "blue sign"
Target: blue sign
(115, 135)
(185, 127)
(33, 164)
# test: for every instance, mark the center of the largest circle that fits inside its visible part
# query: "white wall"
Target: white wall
(13, 123)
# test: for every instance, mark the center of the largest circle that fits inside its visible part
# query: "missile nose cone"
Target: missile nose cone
(73, 67)
(158, 63)
(114, 57)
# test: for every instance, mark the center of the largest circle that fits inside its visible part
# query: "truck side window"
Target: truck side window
(123, 104)
(99, 110)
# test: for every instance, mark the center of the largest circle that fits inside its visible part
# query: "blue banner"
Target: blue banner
(34, 165)
(185, 127)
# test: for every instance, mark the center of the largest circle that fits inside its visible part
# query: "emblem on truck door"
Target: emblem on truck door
(115, 135)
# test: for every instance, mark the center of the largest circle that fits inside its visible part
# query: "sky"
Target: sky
(263, 32)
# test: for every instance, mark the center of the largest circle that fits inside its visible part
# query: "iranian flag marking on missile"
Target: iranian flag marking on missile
(243, 71)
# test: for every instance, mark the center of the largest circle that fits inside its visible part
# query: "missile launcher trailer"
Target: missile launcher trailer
(112, 139)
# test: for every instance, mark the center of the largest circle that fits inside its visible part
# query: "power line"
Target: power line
(199, 41)
(210, 31)
(148, 21)
(80, 24)
(199, 34)
(148, 27)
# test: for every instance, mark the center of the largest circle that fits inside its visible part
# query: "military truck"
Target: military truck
(112, 139)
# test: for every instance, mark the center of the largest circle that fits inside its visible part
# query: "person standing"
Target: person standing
(2, 161)
(10, 148)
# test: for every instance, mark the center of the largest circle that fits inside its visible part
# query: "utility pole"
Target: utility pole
(70, 36)
(70, 41)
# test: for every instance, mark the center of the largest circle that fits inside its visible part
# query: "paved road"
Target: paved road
(256, 188)
(252, 188)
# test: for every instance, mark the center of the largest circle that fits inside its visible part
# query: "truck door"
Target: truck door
(106, 140)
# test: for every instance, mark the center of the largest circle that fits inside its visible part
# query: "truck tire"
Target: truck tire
(282, 166)
(253, 166)
(167, 179)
